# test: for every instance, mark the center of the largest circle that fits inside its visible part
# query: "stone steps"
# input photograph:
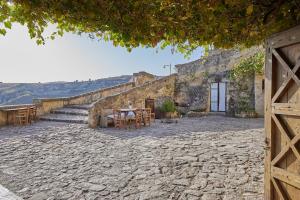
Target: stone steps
(71, 111)
(69, 114)
(78, 119)
(81, 106)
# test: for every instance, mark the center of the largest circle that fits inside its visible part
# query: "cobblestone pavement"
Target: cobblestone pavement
(212, 157)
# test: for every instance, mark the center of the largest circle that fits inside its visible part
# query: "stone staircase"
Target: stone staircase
(69, 114)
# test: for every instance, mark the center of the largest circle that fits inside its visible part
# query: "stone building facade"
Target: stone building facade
(204, 85)
(142, 77)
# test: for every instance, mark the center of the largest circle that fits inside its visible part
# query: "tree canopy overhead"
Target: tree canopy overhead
(185, 24)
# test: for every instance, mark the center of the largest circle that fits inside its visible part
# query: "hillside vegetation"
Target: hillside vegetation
(23, 93)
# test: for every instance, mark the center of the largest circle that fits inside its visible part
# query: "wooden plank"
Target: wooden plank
(268, 186)
(286, 105)
(285, 83)
(286, 109)
(281, 129)
(285, 176)
(279, 189)
(286, 67)
(286, 112)
(285, 38)
(284, 150)
(288, 140)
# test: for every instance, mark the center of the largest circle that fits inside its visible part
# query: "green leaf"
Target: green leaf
(2, 31)
(7, 24)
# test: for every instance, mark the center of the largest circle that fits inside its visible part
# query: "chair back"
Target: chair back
(23, 112)
(148, 111)
(139, 114)
(32, 112)
(116, 114)
(118, 120)
(22, 116)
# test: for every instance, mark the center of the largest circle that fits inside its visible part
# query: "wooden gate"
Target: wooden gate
(282, 116)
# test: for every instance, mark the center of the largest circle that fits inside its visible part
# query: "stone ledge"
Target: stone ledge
(5, 194)
(83, 94)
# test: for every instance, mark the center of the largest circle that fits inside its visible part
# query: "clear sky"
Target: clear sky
(74, 57)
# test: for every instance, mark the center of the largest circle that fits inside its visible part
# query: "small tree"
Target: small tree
(168, 106)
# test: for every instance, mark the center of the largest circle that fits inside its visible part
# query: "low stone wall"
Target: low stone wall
(163, 87)
(45, 105)
(4, 118)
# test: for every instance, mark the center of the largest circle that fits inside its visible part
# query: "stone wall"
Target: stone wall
(241, 96)
(163, 87)
(259, 94)
(141, 78)
(46, 105)
(194, 80)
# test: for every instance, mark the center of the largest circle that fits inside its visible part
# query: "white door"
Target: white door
(218, 97)
(214, 90)
(222, 97)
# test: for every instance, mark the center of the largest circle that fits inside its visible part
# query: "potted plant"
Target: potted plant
(168, 108)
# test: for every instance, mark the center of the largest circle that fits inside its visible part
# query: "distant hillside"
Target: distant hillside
(23, 93)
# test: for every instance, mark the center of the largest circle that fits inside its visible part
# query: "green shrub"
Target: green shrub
(249, 65)
(168, 106)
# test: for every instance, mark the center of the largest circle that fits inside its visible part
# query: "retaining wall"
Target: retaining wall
(45, 105)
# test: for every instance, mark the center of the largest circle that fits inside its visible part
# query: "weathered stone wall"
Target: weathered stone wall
(259, 94)
(163, 87)
(141, 78)
(241, 96)
(194, 80)
(46, 105)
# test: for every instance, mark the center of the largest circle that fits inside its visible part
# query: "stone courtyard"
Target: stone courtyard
(212, 157)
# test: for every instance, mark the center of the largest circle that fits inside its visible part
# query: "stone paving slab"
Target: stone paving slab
(207, 158)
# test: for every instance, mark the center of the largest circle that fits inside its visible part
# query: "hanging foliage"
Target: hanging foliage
(184, 24)
(253, 64)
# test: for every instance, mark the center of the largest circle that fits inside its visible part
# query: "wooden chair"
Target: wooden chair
(153, 116)
(119, 120)
(22, 116)
(130, 120)
(32, 114)
(138, 118)
(147, 116)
